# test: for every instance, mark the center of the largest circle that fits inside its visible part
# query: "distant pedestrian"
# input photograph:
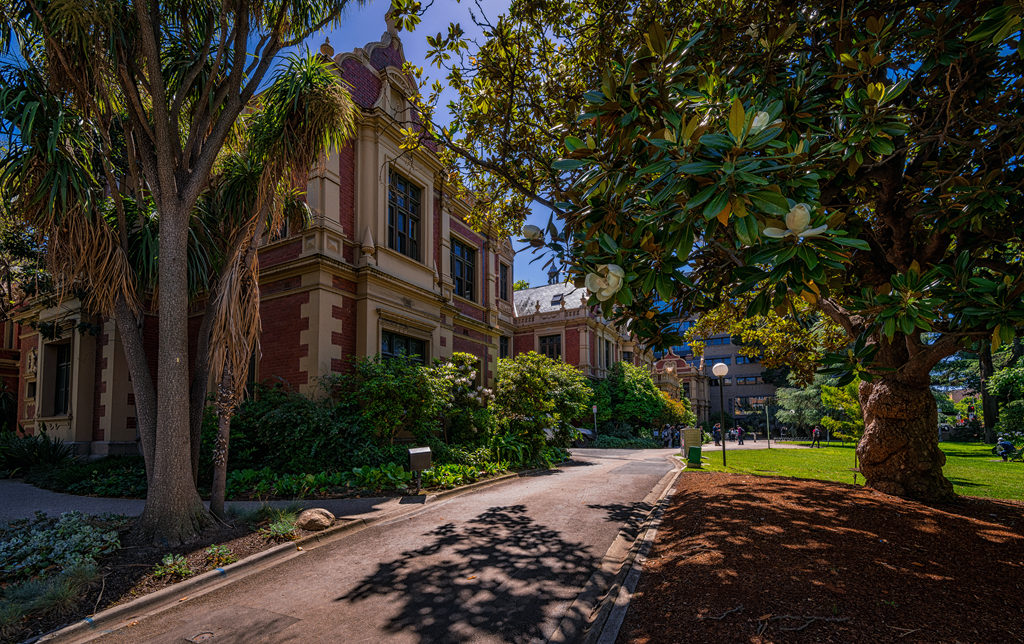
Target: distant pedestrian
(716, 433)
(816, 436)
(1005, 448)
(739, 435)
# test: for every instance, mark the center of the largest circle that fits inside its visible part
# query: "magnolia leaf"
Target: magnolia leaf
(737, 115)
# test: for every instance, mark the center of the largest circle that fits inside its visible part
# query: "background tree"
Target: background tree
(519, 285)
(886, 135)
(121, 108)
(800, 407)
(843, 417)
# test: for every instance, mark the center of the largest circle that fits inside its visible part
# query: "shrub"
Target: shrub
(22, 454)
(116, 476)
(390, 396)
(173, 567)
(30, 546)
(532, 393)
(465, 415)
(614, 442)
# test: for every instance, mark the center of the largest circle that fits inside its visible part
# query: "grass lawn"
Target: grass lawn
(972, 467)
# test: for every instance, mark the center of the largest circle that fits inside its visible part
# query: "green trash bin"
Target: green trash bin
(693, 456)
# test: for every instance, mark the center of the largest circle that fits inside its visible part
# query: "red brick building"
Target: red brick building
(388, 266)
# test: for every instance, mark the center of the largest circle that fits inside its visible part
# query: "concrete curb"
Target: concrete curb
(589, 619)
(93, 626)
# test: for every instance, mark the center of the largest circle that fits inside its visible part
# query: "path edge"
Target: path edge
(112, 618)
(597, 613)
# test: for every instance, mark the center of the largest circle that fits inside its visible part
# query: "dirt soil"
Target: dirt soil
(128, 573)
(756, 559)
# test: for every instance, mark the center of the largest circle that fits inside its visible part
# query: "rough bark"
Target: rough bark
(197, 390)
(899, 452)
(142, 381)
(174, 513)
(225, 408)
(989, 404)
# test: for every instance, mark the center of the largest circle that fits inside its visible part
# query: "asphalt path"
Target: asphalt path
(503, 564)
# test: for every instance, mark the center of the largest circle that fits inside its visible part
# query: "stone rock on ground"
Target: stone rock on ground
(314, 519)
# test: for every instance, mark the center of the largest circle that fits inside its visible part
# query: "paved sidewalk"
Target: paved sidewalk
(503, 564)
(21, 500)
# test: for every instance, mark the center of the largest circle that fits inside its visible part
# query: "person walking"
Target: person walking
(816, 436)
(716, 433)
(739, 435)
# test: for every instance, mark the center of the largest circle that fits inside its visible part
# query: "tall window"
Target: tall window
(503, 281)
(62, 379)
(607, 353)
(463, 267)
(627, 356)
(404, 216)
(503, 346)
(551, 346)
(393, 345)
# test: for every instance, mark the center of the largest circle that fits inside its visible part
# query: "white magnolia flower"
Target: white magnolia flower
(759, 122)
(532, 232)
(606, 282)
(797, 220)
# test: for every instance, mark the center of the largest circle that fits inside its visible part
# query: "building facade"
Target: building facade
(387, 266)
(556, 321)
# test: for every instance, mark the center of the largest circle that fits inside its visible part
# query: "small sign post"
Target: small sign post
(594, 409)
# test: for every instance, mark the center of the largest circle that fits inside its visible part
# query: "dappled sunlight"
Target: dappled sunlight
(781, 546)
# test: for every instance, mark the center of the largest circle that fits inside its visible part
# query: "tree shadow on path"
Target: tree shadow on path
(500, 573)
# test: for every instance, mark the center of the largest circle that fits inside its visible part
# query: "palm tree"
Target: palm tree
(119, 113)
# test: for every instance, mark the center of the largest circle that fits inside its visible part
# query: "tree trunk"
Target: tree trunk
(989, 405)
(899, 452)
(174, 513)
(142, 381)
(200, 381)
(218, 490)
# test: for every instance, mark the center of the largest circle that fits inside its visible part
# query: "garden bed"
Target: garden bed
(768, 559)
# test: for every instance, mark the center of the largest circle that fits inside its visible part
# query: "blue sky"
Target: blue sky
(365, 24)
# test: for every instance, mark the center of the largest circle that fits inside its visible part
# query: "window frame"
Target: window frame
(60, 398)
(504, 347)
(408, 341)
(555, 339)
(504, 279)
(463, 266)
(405, 238)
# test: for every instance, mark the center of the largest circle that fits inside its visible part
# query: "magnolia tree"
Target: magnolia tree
(864, 159)
(861, 157)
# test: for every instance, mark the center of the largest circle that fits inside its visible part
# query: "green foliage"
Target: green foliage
(533, 393)
(172, 567)
(219, 555)
(843, 416)
(31, 546)
(393, 396)
(633, 396)
(1011, 421)
(800, 407)
(39, 451)
(280, 530)
(465, 414)
(375, 479)
(1007, 384)
(604, 441)
(520, 285)
(113, 476)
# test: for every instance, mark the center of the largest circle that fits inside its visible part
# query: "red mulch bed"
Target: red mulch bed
(757, 559)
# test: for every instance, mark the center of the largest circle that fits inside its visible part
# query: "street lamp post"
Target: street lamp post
(721, 370)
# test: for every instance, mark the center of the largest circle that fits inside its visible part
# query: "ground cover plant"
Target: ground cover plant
(972, 467)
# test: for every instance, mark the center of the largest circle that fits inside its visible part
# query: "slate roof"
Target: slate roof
(526, 300)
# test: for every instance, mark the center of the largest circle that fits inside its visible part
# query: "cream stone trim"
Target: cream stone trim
(387, 316)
